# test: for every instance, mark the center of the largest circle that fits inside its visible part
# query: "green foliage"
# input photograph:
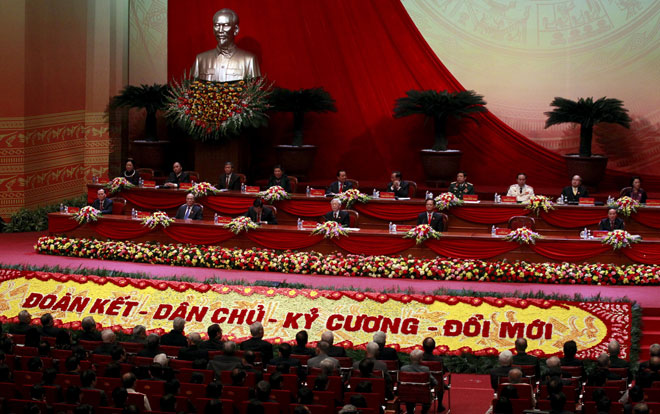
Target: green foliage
(300, 102)
(37, 219)
(152, 97)
(587, 113)
(440, 106)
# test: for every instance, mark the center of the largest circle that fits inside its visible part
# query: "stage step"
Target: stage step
(650, 323)
(650, 331)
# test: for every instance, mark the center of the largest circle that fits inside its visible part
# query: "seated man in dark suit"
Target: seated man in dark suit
(24, 319)
(177, 176)
(338, 215)
(573, 192)
(48, 326)
(259, 214)
(340, 185)
(193, 351)
(398, 186)
(189, 211)
(214, 343)
(334, 351)
(301, 345)
(175, 337)
(279, 179)
(103, 204)
(428, 345)
(461, 186)
(385, 353)
(285, 357)
(257, 344)
(614, 348)
(226, 361)
(522, 358)
(229, 180)
(502, 369)
(431, 217)
(612, 222)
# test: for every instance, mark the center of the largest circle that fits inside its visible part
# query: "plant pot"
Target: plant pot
(591, 169)
(440, 167)
(150, 154)
(296, 160)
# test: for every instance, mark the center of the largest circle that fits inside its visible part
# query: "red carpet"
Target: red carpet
(470, 394)
(17, 248)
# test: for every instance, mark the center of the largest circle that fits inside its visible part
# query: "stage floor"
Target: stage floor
(18, 249)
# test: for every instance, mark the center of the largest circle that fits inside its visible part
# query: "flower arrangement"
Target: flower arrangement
(523, 235)
(538, 202)
(619, 239)
(203, 189)
(241, 223)
(421, 233)
(330, 229)
(625, 205)
(117, 184)
(349, 197)
(86, 214)
(446, 200)
(312, 263)
(157, 218)
(274, 193)
(211, 110)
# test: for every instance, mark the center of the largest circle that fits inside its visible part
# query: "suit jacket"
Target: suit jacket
(20, 328)
(195, 213)
(149, 353)
(258, 345)
(402, 191)
(419, 368)
(174, 338)
(90, 336)
(334, 187)
(616, 362)
(234, 182)
(50, 331)
(266, 215)
(388, 354)
(224, 363)
(496, 373)
(284, 183)
(431, 357)
(571, 198)
(605, 224)
(107, 206)
(343, 219)
(301, 350)
(289, 362)
(105, 348)
(337, 351)
(212, 345)
(521, 196)
(316, 361)
(436, 221)
(192, 353)
(181, 178)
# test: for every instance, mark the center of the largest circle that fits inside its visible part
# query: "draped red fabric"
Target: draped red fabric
(650, 218)
(61, 224)
(389, 212)
(192, 235)
(573, 217)
(643, 253)
(305, 208)
(490, 215)
(228, 205)
(284, 240)
(155, 200)
(373, 245)
(120, 230)
(569, 250)
(474, 249)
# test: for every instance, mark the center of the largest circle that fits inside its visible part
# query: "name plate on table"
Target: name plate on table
(185, 186)
(387, 195)
(143, 214)
(148, 184)
(587, 201)
(653, 203)
(252, 189)
(403, 228)
(317, 192)
(223, 220)
(307, 225)
(72, 210)
(599, 233)
(471, 197)
(103, 181)
(502, 231)
(508, 199)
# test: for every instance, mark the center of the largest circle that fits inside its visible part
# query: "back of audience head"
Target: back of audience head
(603, 405)
(641, 408)
(257, 330)
(72, 395)
(119, 396)
(139, 331)
(128, 380)
(285, 350)
(521, 345)
(113, 370)
(168, 403)
(196, 378)
(358, 400)
(153, 342)
(83, 409)
(555, 385)
(322, 347)
(428, 344)
(305, 396)
(636, 394)
(557, 401)
(34, 364)
(214, 390)
(5, 373)
(214, 331)
(503, 406)
(515, 375)
(238, 377)
(509, 391)
(32, 337)
(131, 409)
(328, 337)
(63, 339)
(327, 367)
(249, 357)
(372, 349)
(276, 380)
(229, 348)
(348, 409)
(366, 367)
(178, 324)
(161, 359)
(570, 349)
(87, 378)
(44, 348)
(37, 393)
(213, 407)
(505, 358)
(301, 409)
(321, 383)
(254, 407)
(262, 391)
(172, 386)
(49, 376)
(302, 338)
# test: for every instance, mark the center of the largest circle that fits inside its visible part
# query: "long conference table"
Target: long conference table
(564, 220)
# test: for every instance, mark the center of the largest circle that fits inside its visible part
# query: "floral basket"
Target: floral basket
(446, 200)
(211, 110)
(523, 235)
(87, 214)
(625, 205)
(619, 239)
(274, 193)
(157, 218)
(349, 197)
(538, 202)
(117, 184)
(240, 224)
(203, 189)
(330, 229)
(422, 233)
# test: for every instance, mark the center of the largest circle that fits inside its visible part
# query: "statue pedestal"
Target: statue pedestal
(210, 157)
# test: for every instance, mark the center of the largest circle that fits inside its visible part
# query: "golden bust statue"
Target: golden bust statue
(226, 62)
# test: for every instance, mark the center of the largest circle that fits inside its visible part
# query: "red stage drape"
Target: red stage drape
(366, 53)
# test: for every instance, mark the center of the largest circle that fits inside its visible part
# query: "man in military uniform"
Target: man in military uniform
(460, 187)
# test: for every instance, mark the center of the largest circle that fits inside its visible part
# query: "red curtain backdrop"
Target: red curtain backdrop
(367, 54)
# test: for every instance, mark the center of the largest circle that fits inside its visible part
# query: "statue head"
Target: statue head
(225, 27)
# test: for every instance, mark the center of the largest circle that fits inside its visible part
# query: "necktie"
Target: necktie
(430, 216)
(521, 190)
(187, 213)
(340, 186)
(612, 225)
(336, 215)
(574, 190)
(102, 201)
(258, 217)
(227, 184)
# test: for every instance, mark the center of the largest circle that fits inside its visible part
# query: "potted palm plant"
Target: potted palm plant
(147, 152)
(440, 164)
(297, 157)
(587, 113)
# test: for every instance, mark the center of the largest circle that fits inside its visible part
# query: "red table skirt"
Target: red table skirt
(365, 242)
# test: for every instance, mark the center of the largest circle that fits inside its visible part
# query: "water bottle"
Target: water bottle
(309, 192)
(300, 226)
(61, 208)
(95, 180)
(492, 231)
(589, 236)
(141, 182)
(134, 213)
(242, 188)
(426, 196)
(393, 228)
(215, 218)
(430, 195)
(390, 228)
(499, 198)
(584, 233)
(66, 209)
(377, 194)
(495, 197)
(373, 194)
